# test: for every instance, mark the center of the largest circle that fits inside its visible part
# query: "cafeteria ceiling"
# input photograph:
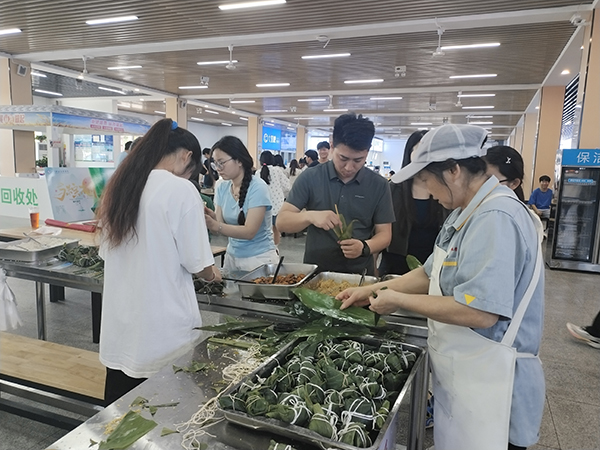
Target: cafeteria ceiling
(537, 41)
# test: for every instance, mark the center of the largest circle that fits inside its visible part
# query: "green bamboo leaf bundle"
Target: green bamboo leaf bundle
(130, 429)
(322, 424)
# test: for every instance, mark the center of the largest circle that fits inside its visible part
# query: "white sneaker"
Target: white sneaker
(580, 333)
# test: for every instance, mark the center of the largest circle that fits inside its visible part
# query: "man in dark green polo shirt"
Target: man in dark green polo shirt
(359, 194)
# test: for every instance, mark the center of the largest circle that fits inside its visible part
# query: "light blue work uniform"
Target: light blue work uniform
(489, 267)
(257, 196)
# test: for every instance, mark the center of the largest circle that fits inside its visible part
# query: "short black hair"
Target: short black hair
(128, 145)
(312, 154)
(356, 132)
(206, 151)
(545, 178)
(322, 144)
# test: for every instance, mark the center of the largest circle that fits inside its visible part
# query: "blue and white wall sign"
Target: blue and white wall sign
(581, 157)
(271, 138)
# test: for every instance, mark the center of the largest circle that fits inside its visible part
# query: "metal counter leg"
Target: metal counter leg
(416, 431)
(41, 310)
(56, 293)
(96, 313)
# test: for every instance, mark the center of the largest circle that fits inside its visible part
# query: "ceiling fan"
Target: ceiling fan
(84, 73)
(231, 65)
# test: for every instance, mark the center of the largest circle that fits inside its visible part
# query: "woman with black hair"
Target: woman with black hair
(294, 171)
(506, 164)
(243, 208)
(152, 239)
(279, 186)
(418, 219)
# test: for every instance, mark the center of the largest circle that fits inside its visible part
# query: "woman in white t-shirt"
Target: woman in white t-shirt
(279, 186)
(153, 239)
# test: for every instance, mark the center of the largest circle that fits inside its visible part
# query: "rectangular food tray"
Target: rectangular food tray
(387, 433)
(338, 277)
(274, 291)
(34, 255)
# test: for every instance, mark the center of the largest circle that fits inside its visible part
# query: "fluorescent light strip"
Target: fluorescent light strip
(421, 123)
(111, 20)
(9, 31)
(480, 75)
(478, 107)
(41, 91)
(112, 90)
(385, 98)
(197, 118)
(272, 84)
(161, 112)
(312, 99)
(230, 6)
(210, 111)
(479, 117)
(209, 63)
(203, 86)
(565, 72)
(244, 118)
(226, 124)
(459, 47)
(38, 74)
(375, 80)
(270, 124)
(275, 110)
(242, 101)
(476, 95)
(124, 67)
(303, 118)
(336, 110)
(332, 55)
(481, 123)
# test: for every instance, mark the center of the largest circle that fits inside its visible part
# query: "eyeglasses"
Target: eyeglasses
(218, 165)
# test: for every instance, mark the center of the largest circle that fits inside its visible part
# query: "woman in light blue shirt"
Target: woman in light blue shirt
(243, 208)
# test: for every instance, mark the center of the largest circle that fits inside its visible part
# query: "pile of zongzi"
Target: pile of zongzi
(342, 390)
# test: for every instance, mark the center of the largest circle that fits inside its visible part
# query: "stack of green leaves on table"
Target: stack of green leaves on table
(82, 256)
(339, 389)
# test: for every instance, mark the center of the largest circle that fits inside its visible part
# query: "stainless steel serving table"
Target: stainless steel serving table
(191, 390)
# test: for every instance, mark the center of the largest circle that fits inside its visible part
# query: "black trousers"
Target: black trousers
(514, 447)
(118, 384)
(594, 328)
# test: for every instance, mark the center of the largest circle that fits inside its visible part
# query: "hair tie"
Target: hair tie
(174, 125)
(264, 164)
(508, 160)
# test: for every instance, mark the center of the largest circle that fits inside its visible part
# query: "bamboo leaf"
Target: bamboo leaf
(167, 431)
(130, 429)
(236, 326)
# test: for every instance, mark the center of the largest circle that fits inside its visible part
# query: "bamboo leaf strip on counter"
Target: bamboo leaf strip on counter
(132, 427)
(195, 366)
(167, 431)
(235, 326)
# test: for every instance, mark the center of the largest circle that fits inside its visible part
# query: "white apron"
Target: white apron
(473, 375)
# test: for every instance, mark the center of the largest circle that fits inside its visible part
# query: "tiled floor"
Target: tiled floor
(571, 420)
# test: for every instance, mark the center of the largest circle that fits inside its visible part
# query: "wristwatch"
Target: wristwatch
(366, 251)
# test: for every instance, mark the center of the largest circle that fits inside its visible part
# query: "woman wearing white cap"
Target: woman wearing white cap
(482, 291)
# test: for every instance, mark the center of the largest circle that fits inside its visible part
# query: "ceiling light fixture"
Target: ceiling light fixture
(161, 112)
(335, 110)
(9, 31)
(478, 107)
(124, 67)
(38, 74)
(565, 72)
(272, 84)
(422, 123)
(385, 98)
(111, 20)
(270, 124)
(210, 63)
(255, 4)
(331, 55)
(226, 124)
(112, 90)
(210, 111)
(275, 110)
(242, 101)
(312, 99)
(41, 91)
(374, 80)
(479, 117)
(481, 123)
(197, 118)
(460, 47)
(202, 86)
(476, 95)
(244, 118)
(480, 75)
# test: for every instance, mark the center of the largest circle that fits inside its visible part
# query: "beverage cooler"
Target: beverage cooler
(576, 237)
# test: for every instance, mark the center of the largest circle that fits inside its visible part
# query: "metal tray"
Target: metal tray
(35, 255)
(387, 432)
(339, 277)
(274, 291)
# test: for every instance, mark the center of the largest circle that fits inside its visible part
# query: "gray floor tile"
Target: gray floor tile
(577, 424)
(578, 383)
(548, 436)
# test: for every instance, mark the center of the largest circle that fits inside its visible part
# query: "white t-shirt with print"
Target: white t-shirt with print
(279, 187)
(149, 306)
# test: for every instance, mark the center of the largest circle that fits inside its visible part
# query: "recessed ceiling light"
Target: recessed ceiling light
(374, 80)
(111, 20)
(209, 63)
(565, 72)
(102, 88)
(421, 123)
(480, 75)
(481, 123)
(537, 107)
(303, 118)
(161, 112)
(250, 4)
(331, 55)
(312, 99)
(124, 67)
(476, 95)
(581, 47)
(210, 111)
(478, 107)
(136, 90)
(270, 124)
(272, 84)
(242, 101)
(335, 110)
(385, 98)
(10, 31)
(226, 124)
(38, 74)
(244, 118)
(459, 47)
(197, 118)
(203, 86)
(479, 117)
(41, 91)
(275, 110)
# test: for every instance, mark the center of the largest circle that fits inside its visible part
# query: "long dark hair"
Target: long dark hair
(120, 203)
(238, 151)
(509, 163)
(266, 159)
(293, 166)
(278, 159)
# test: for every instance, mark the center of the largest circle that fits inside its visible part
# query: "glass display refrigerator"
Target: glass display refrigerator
(576, 237)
